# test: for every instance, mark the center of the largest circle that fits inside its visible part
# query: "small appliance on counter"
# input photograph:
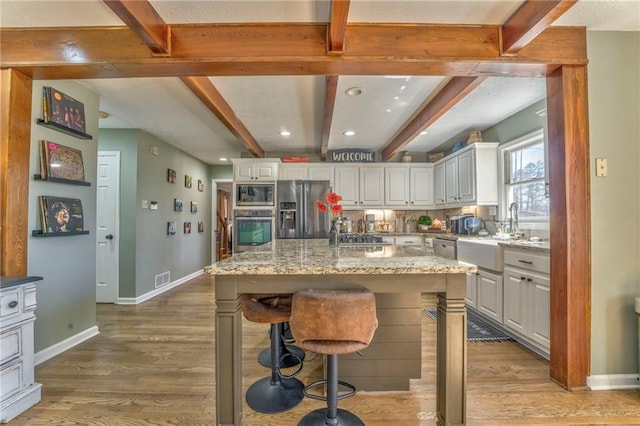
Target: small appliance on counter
(457, 222)
(370, 220)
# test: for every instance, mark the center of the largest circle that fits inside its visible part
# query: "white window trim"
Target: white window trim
(530, 138)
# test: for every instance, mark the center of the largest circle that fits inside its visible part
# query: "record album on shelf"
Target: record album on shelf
(60, 162)
(62, 109)
(58, 214)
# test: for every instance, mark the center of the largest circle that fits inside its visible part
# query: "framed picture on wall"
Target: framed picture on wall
(194, 207)
(200, 226)
(187, 181)
(187, 227)
(171, 176)
(200, 185)
(177, 205)
(171, 228)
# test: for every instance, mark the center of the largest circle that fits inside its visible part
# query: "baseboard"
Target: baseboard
(157, 291)
(613, 381)
(65, 345)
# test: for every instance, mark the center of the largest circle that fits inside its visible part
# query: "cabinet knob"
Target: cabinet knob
(529, 279)
(13, 303)
(406, 202)
(412, 202)
(109, 237)
(522, 278)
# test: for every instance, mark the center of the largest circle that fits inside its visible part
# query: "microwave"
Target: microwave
(255, 194)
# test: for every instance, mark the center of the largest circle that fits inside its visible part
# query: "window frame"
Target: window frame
(504, 150)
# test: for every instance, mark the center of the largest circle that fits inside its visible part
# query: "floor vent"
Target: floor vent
(163, 279)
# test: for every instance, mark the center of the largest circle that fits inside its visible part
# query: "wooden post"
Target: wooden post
(570, 226)
(15, 128)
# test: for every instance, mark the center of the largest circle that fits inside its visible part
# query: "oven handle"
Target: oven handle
(256, 218)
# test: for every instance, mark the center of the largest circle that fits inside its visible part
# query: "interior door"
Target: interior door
(107, 226)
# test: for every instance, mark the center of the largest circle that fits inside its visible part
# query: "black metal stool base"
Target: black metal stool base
(319, 418)
(264, 397)
(286, 359)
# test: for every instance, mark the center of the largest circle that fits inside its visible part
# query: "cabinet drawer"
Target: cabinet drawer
(410, 241)
(10, 380)
(527, 260)
(10, 302)
(10, 344)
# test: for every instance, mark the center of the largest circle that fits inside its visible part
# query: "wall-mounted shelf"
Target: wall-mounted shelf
(60, 128)
(60, 180)
(39, 233)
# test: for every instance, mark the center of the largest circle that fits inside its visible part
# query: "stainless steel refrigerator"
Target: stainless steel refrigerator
(297, 214)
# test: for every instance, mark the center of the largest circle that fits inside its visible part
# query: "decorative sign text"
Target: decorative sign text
(352, 155)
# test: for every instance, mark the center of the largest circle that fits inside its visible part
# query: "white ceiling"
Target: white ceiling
(165, 108)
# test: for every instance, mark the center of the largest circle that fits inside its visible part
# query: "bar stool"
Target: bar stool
(278, 392)
(332, 322)
(290, 355)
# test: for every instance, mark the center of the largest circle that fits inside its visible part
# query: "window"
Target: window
(525, 171)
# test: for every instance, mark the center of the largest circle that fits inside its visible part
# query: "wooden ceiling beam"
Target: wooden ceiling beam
(145, 22)
(327, 115)
(204, 89)
(529, 21)
(337, 25)
(277, 49)
(452, 93)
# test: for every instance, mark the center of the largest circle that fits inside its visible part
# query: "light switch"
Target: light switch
(145, 204)
(601, 167)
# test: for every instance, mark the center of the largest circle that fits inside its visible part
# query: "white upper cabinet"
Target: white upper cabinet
(253, 170)
(320, 172)
(409, 186)
(360, 186)
(293, 172)
(470, 176)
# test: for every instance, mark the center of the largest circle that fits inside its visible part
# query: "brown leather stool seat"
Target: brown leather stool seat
(333, 322)
(278, 392)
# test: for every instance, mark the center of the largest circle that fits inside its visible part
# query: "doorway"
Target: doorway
(222, 220)
(107, 226)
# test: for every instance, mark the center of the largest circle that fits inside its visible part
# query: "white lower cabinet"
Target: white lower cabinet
(526, 296)
(18, 390)
(484, 293)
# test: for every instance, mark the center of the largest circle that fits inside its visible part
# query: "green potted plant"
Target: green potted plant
(424, 222)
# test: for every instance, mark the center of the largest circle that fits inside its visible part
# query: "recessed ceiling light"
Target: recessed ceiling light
(354, 91)
(285, 133)
(396, 98)
(388, 109)
(223, 159)
(348, 133)
(422, 133)
(402, 87)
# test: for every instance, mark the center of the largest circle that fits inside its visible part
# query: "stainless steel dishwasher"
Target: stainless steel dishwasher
(445, 248)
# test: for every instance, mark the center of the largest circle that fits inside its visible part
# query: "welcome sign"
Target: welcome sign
(353, 155)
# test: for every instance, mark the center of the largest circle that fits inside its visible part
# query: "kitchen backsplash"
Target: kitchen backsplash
(393, 219)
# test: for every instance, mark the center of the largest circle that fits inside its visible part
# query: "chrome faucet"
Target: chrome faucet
(513, 219)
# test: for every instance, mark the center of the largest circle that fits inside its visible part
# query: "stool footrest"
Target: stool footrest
(351, 392)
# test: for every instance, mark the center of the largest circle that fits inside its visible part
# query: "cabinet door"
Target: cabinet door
(439, 193)
(421, 186)
(293, 172)
(451, 180)
(539, 312)
(515, 300)
(321, 172)
(466, 177)
(371, 186)
(396, 188)
(472, 290)
(243, 171)
(265, 171)
(347, 185)
(490, 295)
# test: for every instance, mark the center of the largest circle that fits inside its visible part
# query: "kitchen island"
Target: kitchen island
(395, 274)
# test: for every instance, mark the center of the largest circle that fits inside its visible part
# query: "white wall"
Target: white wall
(614, 127)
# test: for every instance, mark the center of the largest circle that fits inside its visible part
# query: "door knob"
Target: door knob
(109, 237)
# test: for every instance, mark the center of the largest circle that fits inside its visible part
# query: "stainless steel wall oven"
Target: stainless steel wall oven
(252, 228)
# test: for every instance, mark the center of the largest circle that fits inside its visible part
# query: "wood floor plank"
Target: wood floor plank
(153, 364)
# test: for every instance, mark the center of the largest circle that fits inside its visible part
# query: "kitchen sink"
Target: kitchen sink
(485, 254)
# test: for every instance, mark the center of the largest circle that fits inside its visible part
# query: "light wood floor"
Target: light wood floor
(152, 364)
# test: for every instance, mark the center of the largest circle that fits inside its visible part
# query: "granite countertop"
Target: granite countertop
(9, 281)
(316, 257)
